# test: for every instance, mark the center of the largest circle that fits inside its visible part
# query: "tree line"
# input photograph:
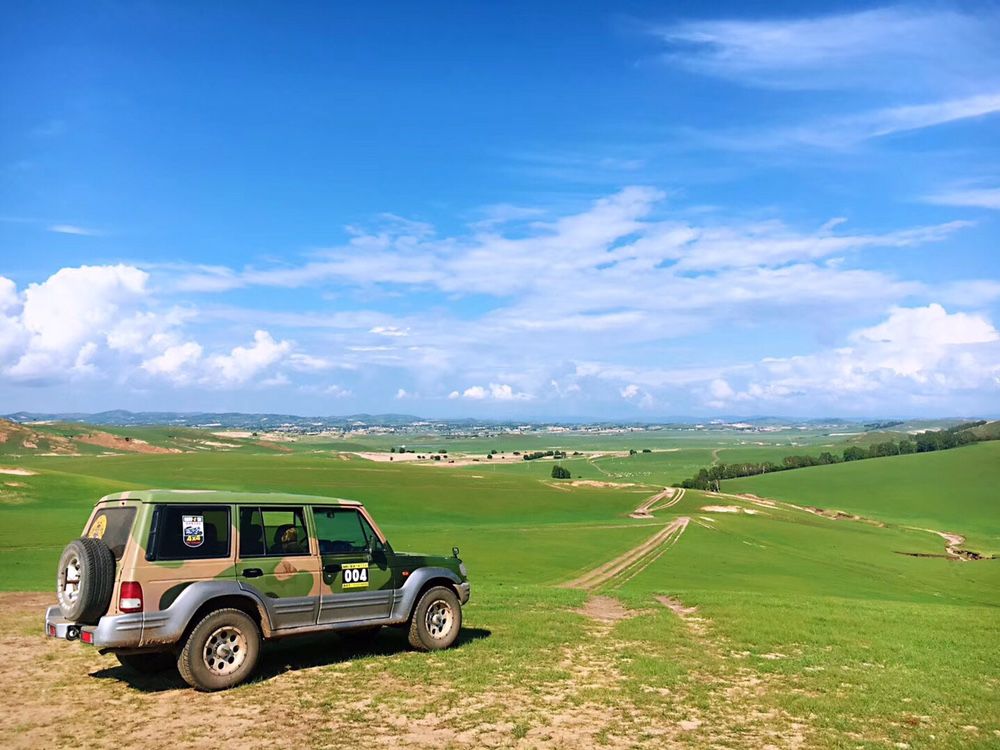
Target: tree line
(708, 478)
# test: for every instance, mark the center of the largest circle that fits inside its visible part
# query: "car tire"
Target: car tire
(221, 651)
(436, 620)
(85, 580)
(148, 663)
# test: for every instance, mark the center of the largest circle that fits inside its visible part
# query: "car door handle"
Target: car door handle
(331, 568)
(252, 573)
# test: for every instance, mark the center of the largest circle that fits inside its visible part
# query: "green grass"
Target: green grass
(953, 490)
(805, 621)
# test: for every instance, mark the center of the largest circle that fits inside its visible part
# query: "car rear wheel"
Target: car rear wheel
(85, 580)
(221, 651)
(436, 620)
(150, 663)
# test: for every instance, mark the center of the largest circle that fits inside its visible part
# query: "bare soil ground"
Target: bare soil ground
(107, 440)
(318, 692)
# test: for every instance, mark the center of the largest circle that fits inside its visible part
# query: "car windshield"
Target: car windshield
(112, 526)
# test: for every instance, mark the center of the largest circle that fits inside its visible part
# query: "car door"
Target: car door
(277, 559)
(356, 573)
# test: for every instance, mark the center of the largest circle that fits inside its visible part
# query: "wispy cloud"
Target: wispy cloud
(973, 197)
(75, 229)
(894, 48)
(896, 70)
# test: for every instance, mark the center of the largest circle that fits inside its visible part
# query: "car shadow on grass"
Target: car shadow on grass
(289, 655)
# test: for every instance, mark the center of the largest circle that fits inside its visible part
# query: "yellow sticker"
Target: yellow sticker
(99, 527)
(355, 576)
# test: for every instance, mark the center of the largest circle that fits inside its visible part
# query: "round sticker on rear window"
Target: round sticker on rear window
(99, 526)
(193, 528)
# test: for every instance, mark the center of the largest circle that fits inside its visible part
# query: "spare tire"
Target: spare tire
(85, 580)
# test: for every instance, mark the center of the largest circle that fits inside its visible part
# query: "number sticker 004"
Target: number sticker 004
(355, 576)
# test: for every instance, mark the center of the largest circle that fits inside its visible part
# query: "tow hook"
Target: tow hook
(72, 633)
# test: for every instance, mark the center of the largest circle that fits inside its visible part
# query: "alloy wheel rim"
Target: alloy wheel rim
(69, 581)
(439, 619)
(225, 650)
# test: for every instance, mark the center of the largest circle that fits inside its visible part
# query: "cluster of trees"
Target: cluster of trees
(953, 437)
(560, 472)
(544, 454)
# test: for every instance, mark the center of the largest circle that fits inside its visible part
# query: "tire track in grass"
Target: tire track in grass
(635, 560)
(645, 510)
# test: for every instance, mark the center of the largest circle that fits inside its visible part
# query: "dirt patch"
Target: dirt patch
(605, 609)
(837, 515)
(596, 483)
(952, 550)
(397, 458)
(129, 445)
(18, 472)
(676, 606)
(729, 509)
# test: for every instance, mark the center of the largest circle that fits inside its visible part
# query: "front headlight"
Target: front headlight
(462, 570)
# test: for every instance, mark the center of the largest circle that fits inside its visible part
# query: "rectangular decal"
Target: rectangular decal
(193, 529)
(355, 575)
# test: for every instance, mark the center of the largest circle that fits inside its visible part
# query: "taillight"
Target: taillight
(130, 597)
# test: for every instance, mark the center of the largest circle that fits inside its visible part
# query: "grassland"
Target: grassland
(784, 628)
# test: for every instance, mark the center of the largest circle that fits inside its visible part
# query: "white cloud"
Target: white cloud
(630, 391)
(973, 197)
(392, 331)
(74, 229)
(336, 391)
(913, 355)
(177, 362)
(243, 363)
(893, 48)
(720, 390)
(72, 311)
(309, 363)
(402, 394)
(492, 392)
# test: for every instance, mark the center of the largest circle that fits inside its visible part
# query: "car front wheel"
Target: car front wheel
(436, 621)
(221, 651)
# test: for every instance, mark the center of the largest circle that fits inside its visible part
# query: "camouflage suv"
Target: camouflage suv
(201, 578)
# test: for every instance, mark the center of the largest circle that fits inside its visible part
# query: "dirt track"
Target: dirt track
(635, 560)
(645, 510)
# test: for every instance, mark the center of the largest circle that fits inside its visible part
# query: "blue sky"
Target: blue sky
(590, 209)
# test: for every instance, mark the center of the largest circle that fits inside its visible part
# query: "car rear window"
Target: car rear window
(190, 532)
(112, 526)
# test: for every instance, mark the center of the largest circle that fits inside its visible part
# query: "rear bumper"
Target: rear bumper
(120, 631)
(464, 591)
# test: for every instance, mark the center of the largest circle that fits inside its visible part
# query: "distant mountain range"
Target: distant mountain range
(238, 420)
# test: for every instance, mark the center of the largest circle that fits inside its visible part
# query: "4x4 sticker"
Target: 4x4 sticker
(355, 575)
(194, 530)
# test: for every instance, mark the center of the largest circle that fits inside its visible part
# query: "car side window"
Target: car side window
(191, 532)
(272, 532)
(341, 531)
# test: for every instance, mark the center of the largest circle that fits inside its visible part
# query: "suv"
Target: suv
(201, 578)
